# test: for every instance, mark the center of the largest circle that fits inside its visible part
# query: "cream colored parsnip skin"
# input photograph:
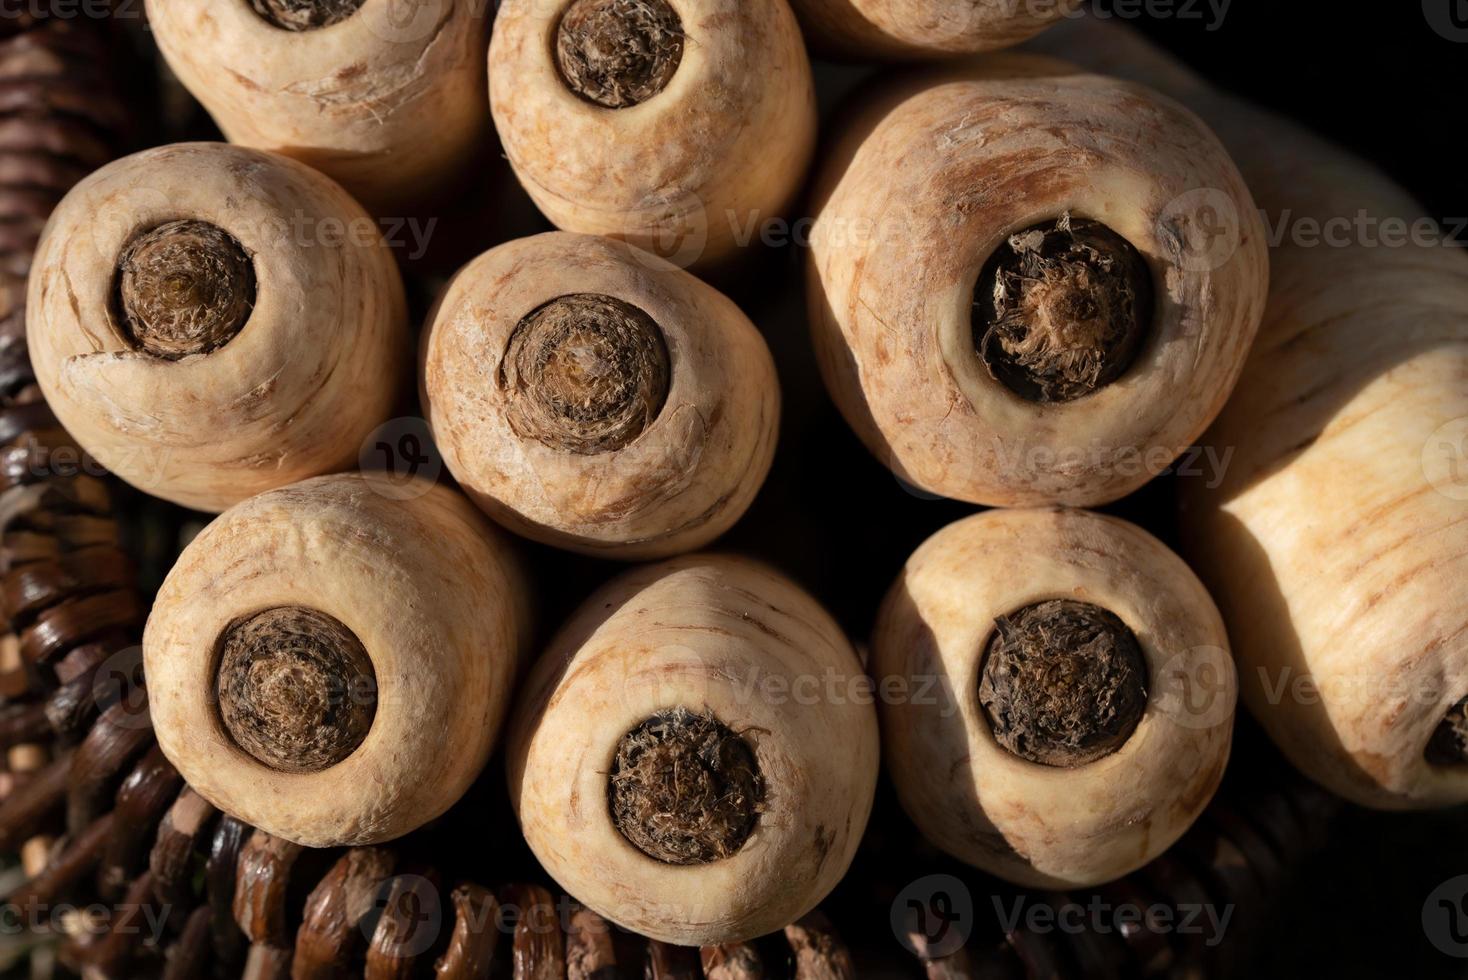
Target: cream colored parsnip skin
(388, 101)
(313, 360)
(719, 150)
(1037, 825)
(906, 30)
(939, 174)
(594, 397)
(714, 635)
(433, 595)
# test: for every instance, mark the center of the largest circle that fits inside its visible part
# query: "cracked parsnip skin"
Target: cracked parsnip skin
(211, 367)
(713, 635)
(1337, 543)
(594, 397)
(935, 186)
(705, 137)
(1051, 824)
(426, 618)
(911, 29)
(388, 100)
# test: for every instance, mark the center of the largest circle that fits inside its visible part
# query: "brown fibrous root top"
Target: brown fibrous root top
(584, 374)
(1449, 743)
(306, 15)
(619, 53)
(182, 288)
(684, 788)
(1063, 683)
(1061, 309)
(296, 688)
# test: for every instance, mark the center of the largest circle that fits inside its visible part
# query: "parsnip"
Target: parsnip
(1337, 545)
(211, 321)
(332, 665)
(385, 96)
(677, 125)
(1012, 292)
(695, 756)
(630, 410)
(909, 29)
(1058, 697)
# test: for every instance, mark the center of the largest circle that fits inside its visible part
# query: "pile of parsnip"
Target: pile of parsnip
(1034, 280)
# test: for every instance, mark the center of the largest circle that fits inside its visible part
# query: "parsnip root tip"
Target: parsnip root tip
(585, 374)
(684, 788)
(183, 288)
(1061, 309)
(1449, 743)
(296, 688)
(619, 53)
(1063, 683)
(305, 15)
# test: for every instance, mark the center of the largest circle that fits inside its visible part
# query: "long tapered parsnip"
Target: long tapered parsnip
(592, 396)
(211, 321)
(385, 96)
(909, 29)
(1018, 290)
(1337, 546)
(331, 664)
(695, 756)
(677, 125)
(1058, 698)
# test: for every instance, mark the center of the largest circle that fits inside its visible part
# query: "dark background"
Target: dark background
(1374, 77)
